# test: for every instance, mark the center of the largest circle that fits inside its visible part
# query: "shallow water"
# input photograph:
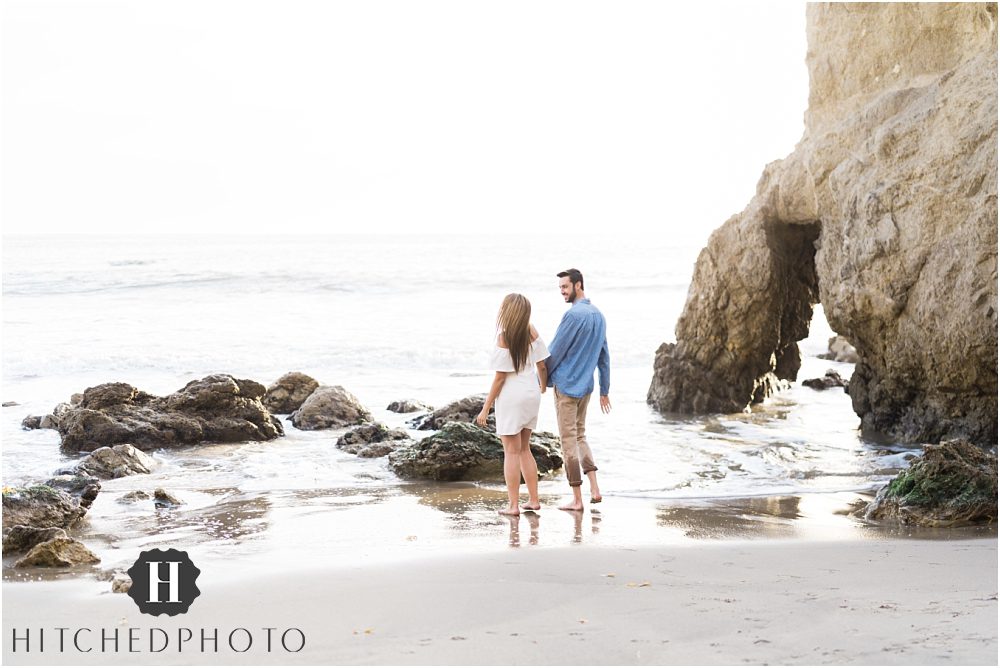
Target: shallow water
(392, 319)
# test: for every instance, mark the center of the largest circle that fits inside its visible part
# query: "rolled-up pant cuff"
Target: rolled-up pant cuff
(575, 484)
(586, 471)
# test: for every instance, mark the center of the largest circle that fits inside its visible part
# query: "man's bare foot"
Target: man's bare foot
(572, 505)
(509, 511)
(532, 507)
(596, 498)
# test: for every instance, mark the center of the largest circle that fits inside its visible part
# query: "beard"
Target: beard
(571, 297)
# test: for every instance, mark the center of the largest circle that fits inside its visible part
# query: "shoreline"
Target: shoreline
(871, 601)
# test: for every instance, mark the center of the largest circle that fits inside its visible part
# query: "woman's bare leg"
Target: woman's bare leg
(512, 472)
(529, 469)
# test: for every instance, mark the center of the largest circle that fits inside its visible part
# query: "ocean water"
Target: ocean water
(392, 318)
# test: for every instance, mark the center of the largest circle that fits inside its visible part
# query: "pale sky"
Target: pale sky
(376, 116)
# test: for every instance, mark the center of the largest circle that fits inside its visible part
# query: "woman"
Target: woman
(519, 351)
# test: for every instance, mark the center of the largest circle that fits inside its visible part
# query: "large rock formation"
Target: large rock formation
(217, 408)
(886, 213)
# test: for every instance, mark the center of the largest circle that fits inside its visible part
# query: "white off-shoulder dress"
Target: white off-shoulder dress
(517, 405)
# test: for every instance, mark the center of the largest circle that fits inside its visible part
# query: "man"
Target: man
(579, 346)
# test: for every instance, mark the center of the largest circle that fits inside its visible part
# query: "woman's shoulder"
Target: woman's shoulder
(533, 331)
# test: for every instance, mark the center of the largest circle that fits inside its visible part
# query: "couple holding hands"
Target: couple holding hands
(525, 368)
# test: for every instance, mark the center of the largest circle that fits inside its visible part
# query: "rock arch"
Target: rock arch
(894, 188)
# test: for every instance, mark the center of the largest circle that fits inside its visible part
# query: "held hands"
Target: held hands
(605, 404)
(481, 418)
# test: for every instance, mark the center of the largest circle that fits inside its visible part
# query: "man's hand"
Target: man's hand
(605, 404)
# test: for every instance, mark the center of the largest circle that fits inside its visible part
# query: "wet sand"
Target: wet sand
(878, 601)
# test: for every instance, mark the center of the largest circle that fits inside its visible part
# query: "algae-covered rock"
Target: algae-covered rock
(951, 484)
(461, 451)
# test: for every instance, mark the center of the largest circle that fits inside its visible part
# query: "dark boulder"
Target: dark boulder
(830, 379)
(461, 451)
(79, 485)
(372, 440)
(951, 484)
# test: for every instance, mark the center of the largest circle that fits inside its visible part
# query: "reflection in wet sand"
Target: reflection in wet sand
(764, 517)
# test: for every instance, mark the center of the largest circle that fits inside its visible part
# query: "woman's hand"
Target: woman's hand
(482, 417)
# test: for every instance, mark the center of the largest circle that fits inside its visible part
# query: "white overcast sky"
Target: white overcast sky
(373, 116)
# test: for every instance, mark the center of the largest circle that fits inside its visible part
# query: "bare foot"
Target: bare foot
(532, 507)
(596, 498)
(509, 511)
(572, 505)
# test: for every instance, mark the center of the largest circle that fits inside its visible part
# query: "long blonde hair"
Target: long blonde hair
(513, 321)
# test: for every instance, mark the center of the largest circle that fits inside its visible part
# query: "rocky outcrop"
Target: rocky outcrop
(217, 408)
(463, 410)
(330, 407)
(461, 451)
(831, 379)
(58, 552)
(951, 484)
(408, 406)
(886, 213)
(372, 440)
(289, 393)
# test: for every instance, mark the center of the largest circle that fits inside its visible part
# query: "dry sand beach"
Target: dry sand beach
(874, 601)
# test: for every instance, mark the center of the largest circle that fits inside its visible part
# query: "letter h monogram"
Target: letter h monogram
(173, 581)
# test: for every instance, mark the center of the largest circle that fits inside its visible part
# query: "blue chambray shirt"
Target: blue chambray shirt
(579, 346)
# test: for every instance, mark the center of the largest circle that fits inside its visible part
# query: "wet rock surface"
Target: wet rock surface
(461, 451)
(116, 462)
(372, 440)
(829, 380)
(164, 499)
(953, 483)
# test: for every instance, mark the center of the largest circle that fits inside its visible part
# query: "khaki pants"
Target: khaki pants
(571, 413)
